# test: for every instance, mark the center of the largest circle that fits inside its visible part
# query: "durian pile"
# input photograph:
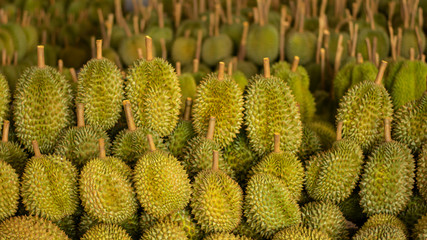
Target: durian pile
(213, 120)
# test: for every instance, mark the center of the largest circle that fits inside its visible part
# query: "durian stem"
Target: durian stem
(387, 129)
(178, 68)
(414, 13)
(151, 145)
(359, 59)
(215, 160)
(149, 48)
(302, 16)
(260, 12)
(36, 149)
(140, 53)
(211, 128)
(221, 69)
(229, 12)
(283, 25)
(256, 15)
(199, 44)
(187, 111)
(5, 136)
(93, 46)
(177, 13)
(399, 41)
(101, 143)
(354, 40)
(266, 67)
(40, 56)
(339, 130)
(160, 13)
(99, 49)
(73, 75)
(369, 49)
(338, 55)
(3, 57)
(420, 18)
(276, 143)
(202, 6)
(211, 24)
(412, 54)
(101, 23)
(381, 71)
(242, 50)
(419, 41)
(195, 65)
(322, 68)
(60, 66)
(129, 117)
(295, 64)
(195, 9)
(217, 18)
(163, 47)
(230, 68)
(377, 59)
(374, 49)
(135, 21)
(15, 58)
(391, 8)
(326, 35)
(109, 25)
(392, 42)
(80, 115)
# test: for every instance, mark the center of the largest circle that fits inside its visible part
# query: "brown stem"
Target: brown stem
(302, 16)
(260, 12)
(217, 18)
(221, 69)
(101, 144)
(149, 48)
(414, 13)
(242, 50)
(135, 21)
(412, 54)
(391, 8)
(338, 55)
(326, 35)
(60, 66)
(151, 145)
(101, 23)
(419, 41)
(359, 58)
(215, 160)
(36, 149)
(393, 40)
(187, 111)
(319, 40)
(163, 47)
(80, 115)
(295, 63)
(381, 71)
(15, 58)
(399, 41)
(211, 24)
(40, 56)
(109, 26)
(374, 48)
(276, 143)
(211, 128)
(229, 12)
(5, 136)
(339, 130)
(322, 68)
(195, 65)
(140, 53)
(230, 68)
(256, 15)
(199, 44)
(354, 40)
(160, 13)
(369, 49)
(73, 75)
(129, 116)
(202, 6)
(3, 57)
(99, 49)
(266, 68)
(178, 13)
(195, 9)
(178, 68)
(420, 18)
(387, 129)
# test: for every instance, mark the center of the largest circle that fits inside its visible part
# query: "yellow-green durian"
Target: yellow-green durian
(299, 232)
(164, 230)
(262, 41)
(380, 232)
(420, 229)
(216, 48)
(325, 131)
(383, 41)
(188, 86)
(11, 152)
(310, 145)
(9, 185)
(302, 44)
(30, 228)
(100, 89)
(106, 232)
(422, 172)
(68, 224)
(352, 210)
(415, 209)
(225, 236)
(128, 48)
(183, 50)
(384, 219)
(4, 98)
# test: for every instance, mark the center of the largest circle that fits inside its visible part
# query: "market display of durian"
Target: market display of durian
(162, 119)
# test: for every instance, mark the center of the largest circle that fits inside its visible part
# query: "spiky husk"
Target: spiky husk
(384, 219)
(4, 99)
(380, 232)
(100, 89)
(13, 154)
(362, 111)
(106, 232)
(245, 230)
(223, 100)
(285, 166)
(130, 225)
(422, 172)
(163, 231)
(180, 137)
(68, 225)
(352, 210)
(388, 178)
(311, 144)
(106, 190)
(161, 184)
(299, 232)
(332, 175)
(225, 236)
(49, 187)
(217, 201)
(188, 87)
(29, 227)
(271, 108)
(420, 229)
(325, 131)
(153, 89)
(269, 205)
(383, 43)
(81, 144)
(41, 107)
(415, 209)
(325, 217)
(9, 185)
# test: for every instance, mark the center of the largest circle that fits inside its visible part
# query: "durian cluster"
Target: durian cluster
(329, 144)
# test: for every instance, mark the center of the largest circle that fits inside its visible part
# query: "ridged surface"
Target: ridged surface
(30, 228)
(415, 209)
(131, 225)
(106, 232)
(13, 154)
(422, 172)
(9, 191)
(310, 145)
(164, 231)
(384, 219)
(180, 137)
(420, 230)
(325, 131)
(299, 232)
(225, 236)
(380, 232)
(4, 99)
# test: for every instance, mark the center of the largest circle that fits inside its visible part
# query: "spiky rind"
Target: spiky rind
(225, 236)
(352, 210)
(422, 172)
(106, 190)
(271, 108)
(30, 227)
(106, 232)
(13, 154)
(387, 219)
(388, 178)
(310, 145)
(153, 89)
(100, 89)
(299, 232)
(325, 131)
(161, 184)
(4, 99)
(223, 100)
(179, 138)
(420, 229)
(380, 232)
(49, 187)
(131, 225)
(415, 209)
(9, 185)
(217, 201)
(164, 231)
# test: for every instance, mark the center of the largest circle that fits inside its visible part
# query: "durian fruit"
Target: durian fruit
(297, 79)
(225, 236)
(415, 209)
(325, 217)
(302, 233)
(380, 232)
(420, 229)
(18, 36)
(106, 232)
(4, 98)
(49, 186)
(100, 89)
(41, 106)
(262, 42)
(269, 205)
(80, 144)
(271, 108)
(216, 48)
(11, 152)
(352, 210)
(285, 166)
(160, 31)
(325, 131)
(362, 110)
(301, 43)
(217, 200)
(384, 219)
(30, 227)
(106, 190)
(411, 40)
(161, 183)
(332, 175)
(406, 82)
(198, 153)
(422, 172)
(128, 49)
(164, 230)
(369, 34)
(310, 145)
(9, 185)
(182, 134)
(409, 127)
(130, 144)
(188, 86)
(153, 89)
(219, 96)
(183, 50)
(388, 178)
(245, 230)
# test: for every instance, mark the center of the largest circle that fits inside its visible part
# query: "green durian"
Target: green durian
(41, 106)
(410, 40)
(30, 228)
(49, 186)
(384, 219)
(225, 236)
(383, 41)
(80, 144)
(106, 232)
(165, 230)
(247, 68)
(409, 126)
(422, 172)
(130, 144)
(161, 183)
(362, 110)
(269, 205)
(100, 89)
(245, 230)
(5, 98)
(380, 232)
(183, 50)
(106, 189)
(388, 178)
(8, 41)
(219, 96)
(216, 48)
(285, 166)
(415, 209)
(11, 152)
(271, 108)
(153, 89)
(128, 48)
(9, 185)
(262, 42)
(160, 32)
(240, 78)
(130, 225)
(310, 145)
(182, 134)
(19, 38)
(301, 233)
(188, 86)
(217, 200)
(352, 210)
(234, 31)
(73, 56)
(31, 35)
(333, 46)
(325, 217)
(68, 225)
(301, 44)
(420, 229)
(325, 131)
